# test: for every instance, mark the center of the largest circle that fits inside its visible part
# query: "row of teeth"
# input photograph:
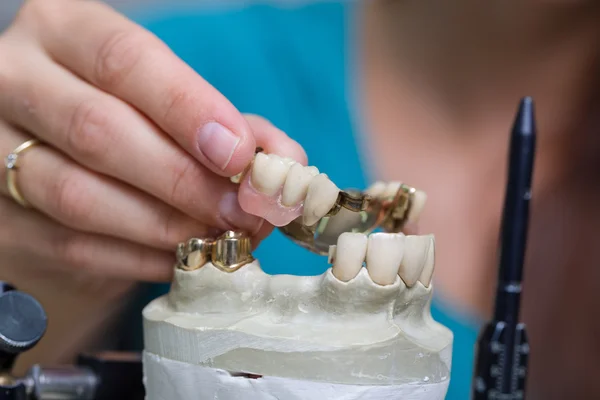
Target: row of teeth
(386, 256)
(273, 175)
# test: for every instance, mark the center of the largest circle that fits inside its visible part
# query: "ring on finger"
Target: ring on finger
(12, 165)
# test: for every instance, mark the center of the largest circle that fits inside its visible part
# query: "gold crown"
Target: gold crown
(229, 252)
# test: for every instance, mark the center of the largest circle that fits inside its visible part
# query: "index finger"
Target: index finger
(121, 58)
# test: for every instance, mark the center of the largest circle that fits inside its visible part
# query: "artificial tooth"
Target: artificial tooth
(268, 173)
(418, 203)
(320, 198)
(429, 265)
(289, 160)
(415, 255)
(384, 255)
(350, 254)
(296, 184)
(391, 189)
(331, 254)
(376, 189)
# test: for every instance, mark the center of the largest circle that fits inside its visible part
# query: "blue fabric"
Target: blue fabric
(291, 65)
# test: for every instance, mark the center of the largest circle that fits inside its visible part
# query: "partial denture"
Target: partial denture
(311, 210)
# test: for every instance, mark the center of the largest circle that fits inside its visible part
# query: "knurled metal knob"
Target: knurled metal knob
(23, 322)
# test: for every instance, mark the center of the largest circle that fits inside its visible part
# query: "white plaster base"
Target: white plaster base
(166, 379)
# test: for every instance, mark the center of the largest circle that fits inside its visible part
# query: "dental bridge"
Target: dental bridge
(229, 331)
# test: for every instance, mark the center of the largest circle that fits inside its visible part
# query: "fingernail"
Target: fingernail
(217, 143)
(231, 212)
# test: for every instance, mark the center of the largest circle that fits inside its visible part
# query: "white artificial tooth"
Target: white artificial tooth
(260, 166)
(350, 254)
(268, 173)
(415, 255)
(417, 205)
(296, 184)
(320, 198)
(331, 254)
(289, 160)
(376, 189)
(384, 255)
(391, 189)
(429, 265)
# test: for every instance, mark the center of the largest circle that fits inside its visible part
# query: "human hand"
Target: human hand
(137, 148)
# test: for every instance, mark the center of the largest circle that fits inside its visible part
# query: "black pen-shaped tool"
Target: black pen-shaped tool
(502, 348)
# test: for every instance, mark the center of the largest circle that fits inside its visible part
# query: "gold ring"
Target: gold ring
(12, 164)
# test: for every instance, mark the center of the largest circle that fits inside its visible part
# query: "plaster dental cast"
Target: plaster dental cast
(362, 330)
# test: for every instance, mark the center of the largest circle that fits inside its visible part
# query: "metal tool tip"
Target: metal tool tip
(524, 124)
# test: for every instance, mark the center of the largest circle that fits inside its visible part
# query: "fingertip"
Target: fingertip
(151, 265)
(233, 214)
(145, 264)
(225, 150)
(158, 270)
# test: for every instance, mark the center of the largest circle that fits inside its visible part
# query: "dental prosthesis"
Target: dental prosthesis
(228, 331)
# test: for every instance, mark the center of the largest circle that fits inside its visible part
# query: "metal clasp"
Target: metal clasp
(353, 212)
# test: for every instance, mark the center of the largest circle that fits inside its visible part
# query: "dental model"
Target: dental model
(351, 333)
(362, 330)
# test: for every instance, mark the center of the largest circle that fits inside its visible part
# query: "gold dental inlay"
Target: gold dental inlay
(229, 252)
